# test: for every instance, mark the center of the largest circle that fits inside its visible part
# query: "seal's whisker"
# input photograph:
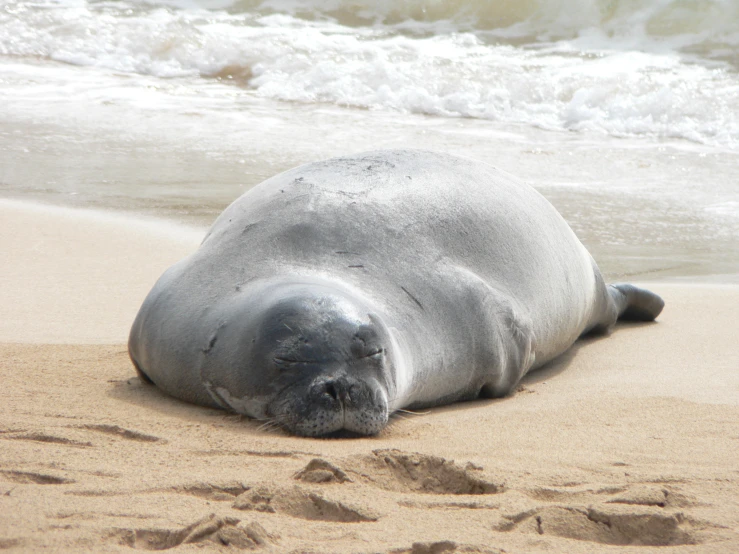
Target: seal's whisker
(268, 425)
(269, 429)
(397, 416)
(411, 412)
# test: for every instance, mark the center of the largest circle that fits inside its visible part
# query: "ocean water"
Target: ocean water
(625, 113)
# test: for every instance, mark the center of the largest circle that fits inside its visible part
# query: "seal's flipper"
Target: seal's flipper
(516, 350)
(506, 339)
(143, 376)
(635, 304)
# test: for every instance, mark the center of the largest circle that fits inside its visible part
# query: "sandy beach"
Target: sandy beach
(629, 443)
(126, 127)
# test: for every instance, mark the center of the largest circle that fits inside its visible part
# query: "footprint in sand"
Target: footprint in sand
(303, 503)
(44, 438)
(637, 494)
(120, 432)
(319, 470)
(605, 526)
(209, 491)
(30, 478)
(445, 547)
(222, 531)
(399, 471)
(628, 515)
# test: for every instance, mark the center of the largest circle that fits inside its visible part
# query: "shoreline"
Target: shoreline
(55, 293)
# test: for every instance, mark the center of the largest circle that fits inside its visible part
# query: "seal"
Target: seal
(331, 295)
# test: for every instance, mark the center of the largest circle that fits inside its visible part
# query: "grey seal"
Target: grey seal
(333, 294)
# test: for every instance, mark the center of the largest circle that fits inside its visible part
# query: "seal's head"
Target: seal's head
(317, 361)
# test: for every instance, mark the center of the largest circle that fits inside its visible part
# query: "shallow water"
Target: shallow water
(624, 114)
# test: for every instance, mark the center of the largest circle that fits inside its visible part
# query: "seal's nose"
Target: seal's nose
(337, 389)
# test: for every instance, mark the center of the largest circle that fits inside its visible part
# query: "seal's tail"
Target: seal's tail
(635, 304)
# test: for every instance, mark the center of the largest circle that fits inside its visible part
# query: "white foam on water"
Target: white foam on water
(728, 208)
(657, 68)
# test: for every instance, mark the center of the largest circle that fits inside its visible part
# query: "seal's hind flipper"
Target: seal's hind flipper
(635, 304)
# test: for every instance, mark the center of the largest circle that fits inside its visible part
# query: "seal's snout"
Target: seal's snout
(330, 357)
(333, 403)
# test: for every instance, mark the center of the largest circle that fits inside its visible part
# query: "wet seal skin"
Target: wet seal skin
(338, 292)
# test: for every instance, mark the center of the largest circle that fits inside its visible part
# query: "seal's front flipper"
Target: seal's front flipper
(515, 346)
(635, 304)
(143, 376)
(501, 339)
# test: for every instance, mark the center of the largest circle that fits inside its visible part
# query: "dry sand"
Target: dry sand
(631, 439)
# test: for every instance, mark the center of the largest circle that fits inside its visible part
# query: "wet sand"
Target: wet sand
(629, 439)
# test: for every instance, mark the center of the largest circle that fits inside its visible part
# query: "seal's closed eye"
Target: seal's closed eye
(282, 361)
(288, 362)
(373, 354)
(365, 343)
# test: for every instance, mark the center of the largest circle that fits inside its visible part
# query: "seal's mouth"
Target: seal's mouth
(343, 434)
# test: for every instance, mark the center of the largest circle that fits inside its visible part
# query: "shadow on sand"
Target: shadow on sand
(134, 391)
(561, 363)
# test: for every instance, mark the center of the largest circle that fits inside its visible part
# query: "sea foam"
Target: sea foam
(625, 68)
